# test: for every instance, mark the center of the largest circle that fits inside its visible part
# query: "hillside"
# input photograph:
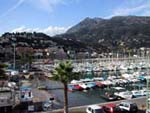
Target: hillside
(131, 32)
(37, 41)
(92, 34)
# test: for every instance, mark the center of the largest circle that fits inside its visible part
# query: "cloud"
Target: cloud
(51, 30)
(147, 12)
(20, 2)
(45, 5)
(135, 8)
(127, 11)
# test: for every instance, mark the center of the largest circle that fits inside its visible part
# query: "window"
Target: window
(126, 105)
(133, 106)
(22, 96)
(121, 104)
(99, 111)
(29, 94)
(117, 109)
(107, 109)
(92, 111)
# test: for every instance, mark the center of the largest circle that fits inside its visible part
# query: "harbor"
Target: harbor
(113, 81)
(130, 79)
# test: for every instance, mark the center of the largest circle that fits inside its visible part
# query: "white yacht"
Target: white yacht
(124, 94)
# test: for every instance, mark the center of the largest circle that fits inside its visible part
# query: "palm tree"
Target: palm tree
(64, 73)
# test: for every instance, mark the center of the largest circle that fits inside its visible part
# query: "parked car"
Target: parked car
(112, 108)
(128, 107)
(94, 109)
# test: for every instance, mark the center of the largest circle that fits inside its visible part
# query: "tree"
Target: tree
(26, 58)
(64, 73)
(3, 76)
(2, 72)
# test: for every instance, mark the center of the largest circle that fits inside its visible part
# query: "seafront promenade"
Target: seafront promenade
(141, 102)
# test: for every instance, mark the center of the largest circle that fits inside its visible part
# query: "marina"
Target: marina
(91, 90)
(120, 81)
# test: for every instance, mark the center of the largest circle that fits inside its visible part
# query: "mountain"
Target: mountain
(130, 32)
(120, 33)
(86, 23)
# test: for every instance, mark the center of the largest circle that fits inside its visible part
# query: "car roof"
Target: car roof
(110, 105)
(95, 107)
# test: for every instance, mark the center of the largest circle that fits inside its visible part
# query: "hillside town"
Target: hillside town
(75, 56)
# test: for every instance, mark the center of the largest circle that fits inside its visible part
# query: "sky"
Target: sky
(57, 16)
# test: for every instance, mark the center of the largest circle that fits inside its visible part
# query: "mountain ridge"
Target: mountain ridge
(132, 32)
(118, 33)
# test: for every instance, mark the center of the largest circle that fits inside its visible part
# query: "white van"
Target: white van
(94, 109)
(128, 106)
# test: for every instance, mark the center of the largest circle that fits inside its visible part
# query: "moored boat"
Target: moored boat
(136, 93)
(109, 96)
(91, 84)
(77, 87)
(124, 94)
(100, 84)
(70, 87)
(74, 87)
(84, 86)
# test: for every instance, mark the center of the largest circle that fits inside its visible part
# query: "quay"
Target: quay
(79, 99)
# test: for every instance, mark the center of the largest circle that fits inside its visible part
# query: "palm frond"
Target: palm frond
(64, 72)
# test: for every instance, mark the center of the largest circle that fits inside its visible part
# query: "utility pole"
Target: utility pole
(14, 66)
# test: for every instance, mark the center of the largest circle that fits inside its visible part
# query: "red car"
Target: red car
(111, 108)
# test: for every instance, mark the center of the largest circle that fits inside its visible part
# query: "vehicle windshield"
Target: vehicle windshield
(99, 111)
(116, 109)
(133, 106)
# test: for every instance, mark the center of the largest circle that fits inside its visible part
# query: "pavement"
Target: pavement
(141, 102)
